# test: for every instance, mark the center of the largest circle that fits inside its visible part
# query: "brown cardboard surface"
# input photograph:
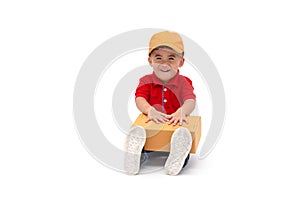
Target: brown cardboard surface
(159, 135)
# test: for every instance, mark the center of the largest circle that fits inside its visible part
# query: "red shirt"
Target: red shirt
(166, 98)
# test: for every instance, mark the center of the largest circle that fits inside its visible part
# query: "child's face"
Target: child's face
(165, 63)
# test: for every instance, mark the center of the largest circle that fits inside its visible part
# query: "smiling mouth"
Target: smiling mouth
(167, 70)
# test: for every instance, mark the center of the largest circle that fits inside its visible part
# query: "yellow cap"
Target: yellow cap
(166, 38)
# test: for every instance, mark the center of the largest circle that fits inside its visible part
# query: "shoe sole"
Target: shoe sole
(134, 144)
(181, 143)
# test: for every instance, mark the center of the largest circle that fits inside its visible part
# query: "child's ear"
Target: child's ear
(181, 62)
(150, 61)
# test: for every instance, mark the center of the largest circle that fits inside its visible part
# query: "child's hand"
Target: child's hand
(177, 117)
(156, 116)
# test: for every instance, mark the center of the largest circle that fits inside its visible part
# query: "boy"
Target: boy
(165, 97)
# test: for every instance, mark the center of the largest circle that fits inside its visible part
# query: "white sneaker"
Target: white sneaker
(133, 147)
(181, 143)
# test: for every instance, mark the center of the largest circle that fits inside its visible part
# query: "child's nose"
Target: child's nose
(163, 61)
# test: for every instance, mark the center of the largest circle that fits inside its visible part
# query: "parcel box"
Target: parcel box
(159, 135)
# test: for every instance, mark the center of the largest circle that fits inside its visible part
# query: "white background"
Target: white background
(255, 46)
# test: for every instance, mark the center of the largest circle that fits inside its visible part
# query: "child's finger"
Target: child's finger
(171, 121)
(165, 119)
(180, 122)
(161, 120)
(156, 120)
(175, 122)
(169, 116)
(164, 115)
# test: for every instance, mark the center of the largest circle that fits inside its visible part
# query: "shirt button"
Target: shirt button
(165, 100)
(165, 89)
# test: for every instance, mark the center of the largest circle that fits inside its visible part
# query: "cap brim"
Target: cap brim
(173, 47)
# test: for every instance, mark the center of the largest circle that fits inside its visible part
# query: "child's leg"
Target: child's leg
(134, 144)
(145, 156)
(181, 143)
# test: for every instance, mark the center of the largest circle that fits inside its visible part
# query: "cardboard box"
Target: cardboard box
(159, 135)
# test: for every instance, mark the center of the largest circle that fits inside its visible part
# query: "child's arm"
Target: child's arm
(181, 114)
(150, 111)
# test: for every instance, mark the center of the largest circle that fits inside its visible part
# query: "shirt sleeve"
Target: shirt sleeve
(187, 89)
(143, 89)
